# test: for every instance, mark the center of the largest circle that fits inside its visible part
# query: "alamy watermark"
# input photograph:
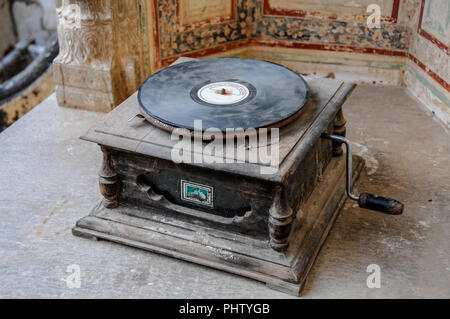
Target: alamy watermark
(74, 279)
(373, 21)
(235, 145)
(374, 279)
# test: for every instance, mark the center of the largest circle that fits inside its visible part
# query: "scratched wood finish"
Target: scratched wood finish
(326, 98)
(285, 271)
(266, 227)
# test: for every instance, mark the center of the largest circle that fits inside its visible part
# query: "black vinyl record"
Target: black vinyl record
(223, 93)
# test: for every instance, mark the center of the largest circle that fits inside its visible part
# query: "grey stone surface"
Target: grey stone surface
(48, 180)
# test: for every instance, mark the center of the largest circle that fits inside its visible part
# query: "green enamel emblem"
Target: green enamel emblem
(197, 193)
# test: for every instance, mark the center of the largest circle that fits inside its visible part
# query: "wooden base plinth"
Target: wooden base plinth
(285, 271)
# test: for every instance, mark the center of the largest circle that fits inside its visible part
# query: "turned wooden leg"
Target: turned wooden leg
(280, 221)
(108, 181)
(339, 129)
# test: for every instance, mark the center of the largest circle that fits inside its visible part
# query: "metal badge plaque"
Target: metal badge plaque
(197, 193)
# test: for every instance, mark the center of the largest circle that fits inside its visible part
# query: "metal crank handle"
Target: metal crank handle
(365, 200)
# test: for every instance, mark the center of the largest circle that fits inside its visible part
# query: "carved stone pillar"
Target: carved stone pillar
(100, 53)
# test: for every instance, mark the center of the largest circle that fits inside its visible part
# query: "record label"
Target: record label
(223, 93)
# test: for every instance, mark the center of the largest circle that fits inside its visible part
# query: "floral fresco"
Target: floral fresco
(436, 19)
(389, 37)
(252, 24)
(173, 43)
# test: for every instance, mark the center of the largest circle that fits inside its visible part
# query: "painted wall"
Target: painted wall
(272, 28)
(328, 38)
(332, 39)
(427, 74)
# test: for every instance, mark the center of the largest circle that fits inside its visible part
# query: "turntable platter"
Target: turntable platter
(223, 93)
